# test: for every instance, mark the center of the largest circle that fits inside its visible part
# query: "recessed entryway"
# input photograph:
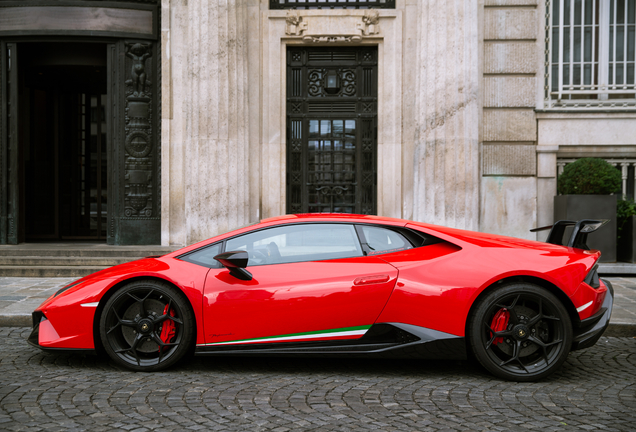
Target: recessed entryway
(62, 161)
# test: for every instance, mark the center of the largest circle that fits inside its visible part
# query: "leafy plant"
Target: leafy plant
(589, 176)
(624, 210)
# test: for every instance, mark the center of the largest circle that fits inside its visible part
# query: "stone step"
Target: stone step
(103, 251)
(70, 261)
(48, 271)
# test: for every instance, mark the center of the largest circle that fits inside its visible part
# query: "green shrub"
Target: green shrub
(624, 210)
(589, 176)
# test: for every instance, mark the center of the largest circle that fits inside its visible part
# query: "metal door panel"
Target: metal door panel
(331, 130)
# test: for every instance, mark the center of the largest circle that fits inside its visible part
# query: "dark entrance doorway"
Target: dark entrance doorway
(62, 160)
(331, 130)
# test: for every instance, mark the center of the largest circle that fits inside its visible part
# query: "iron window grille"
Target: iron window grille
(590, 54)
(332, 4)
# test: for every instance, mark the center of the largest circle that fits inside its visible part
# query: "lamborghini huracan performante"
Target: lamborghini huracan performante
(343, 285)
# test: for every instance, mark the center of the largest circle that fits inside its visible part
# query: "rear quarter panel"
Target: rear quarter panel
(436, 291)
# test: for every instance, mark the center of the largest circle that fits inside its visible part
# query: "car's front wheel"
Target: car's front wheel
(147, 326)
(520, 332)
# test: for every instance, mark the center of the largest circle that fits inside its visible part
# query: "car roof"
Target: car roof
(291, 219)
(344, 217)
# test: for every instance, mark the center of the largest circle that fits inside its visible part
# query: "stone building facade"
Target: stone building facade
(456, 112)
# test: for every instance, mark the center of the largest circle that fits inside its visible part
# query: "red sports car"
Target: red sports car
(343, 285)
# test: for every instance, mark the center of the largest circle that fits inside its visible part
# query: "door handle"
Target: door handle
(369, 280)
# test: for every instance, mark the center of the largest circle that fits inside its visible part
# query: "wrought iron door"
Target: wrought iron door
(331, 130)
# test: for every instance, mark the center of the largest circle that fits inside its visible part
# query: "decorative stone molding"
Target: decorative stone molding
(340, 39)
(295, 25)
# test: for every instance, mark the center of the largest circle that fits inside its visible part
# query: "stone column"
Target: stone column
(446, 114)
(546, 187)
(208, 180)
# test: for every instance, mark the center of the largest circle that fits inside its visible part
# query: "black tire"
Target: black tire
(132, 324)
(536, 339)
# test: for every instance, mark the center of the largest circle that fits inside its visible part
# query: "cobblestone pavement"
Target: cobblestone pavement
(595, 389)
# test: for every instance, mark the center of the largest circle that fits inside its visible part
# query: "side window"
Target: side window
(298, 243)
(204, 256)
(382, 240)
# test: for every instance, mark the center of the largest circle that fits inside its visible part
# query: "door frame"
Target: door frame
(9, 211)
(128, 116)
(325, 25)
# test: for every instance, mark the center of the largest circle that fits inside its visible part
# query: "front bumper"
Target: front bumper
(592, 328)
(34, 337)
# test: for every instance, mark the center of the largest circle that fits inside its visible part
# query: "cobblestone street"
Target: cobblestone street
(595, 389)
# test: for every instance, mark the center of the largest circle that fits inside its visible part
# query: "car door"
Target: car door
(311, 282)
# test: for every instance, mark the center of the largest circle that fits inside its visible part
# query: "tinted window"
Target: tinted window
(297, 243)
(382, 240)
(205, 256)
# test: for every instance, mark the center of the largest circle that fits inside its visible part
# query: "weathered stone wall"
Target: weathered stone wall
(509, 162)
(205, 118)
(443, 145)
(223, 111)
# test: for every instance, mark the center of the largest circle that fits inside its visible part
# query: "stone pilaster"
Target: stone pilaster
(209, 145)
(509, 184)
(446, 113)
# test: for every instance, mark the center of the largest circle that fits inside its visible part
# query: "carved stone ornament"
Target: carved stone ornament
(295, 25)
(138, 179)
(139, 53)
(370, 26)
(370, 23)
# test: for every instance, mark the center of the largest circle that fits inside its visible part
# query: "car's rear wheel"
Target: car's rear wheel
(520, 332)
(147, 326)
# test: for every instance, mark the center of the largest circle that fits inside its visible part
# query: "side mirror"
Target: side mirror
(235, 262)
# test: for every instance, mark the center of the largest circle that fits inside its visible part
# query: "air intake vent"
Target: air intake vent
(330, 107)
(332, 56)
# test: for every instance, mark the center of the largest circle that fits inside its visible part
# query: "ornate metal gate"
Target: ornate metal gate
(331, 130)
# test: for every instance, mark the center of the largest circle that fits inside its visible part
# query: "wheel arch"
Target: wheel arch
(563, 298)
(112, 290)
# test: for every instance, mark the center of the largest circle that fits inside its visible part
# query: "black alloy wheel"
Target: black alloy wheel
(520, 332)
(147, 326)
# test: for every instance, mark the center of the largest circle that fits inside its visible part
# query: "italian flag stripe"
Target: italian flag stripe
(346, 331)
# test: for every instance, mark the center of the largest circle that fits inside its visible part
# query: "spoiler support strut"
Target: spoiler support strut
(578, 237)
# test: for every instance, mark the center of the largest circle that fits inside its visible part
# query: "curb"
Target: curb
(16, 320)
(613, 330)
(620, 330)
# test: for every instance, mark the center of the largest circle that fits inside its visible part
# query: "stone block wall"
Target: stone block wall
(510, 80)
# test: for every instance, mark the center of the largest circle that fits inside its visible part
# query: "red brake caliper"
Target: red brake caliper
(168, 330)
(499, 323)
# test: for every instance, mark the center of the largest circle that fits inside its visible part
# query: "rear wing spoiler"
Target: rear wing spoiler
(578, 238)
